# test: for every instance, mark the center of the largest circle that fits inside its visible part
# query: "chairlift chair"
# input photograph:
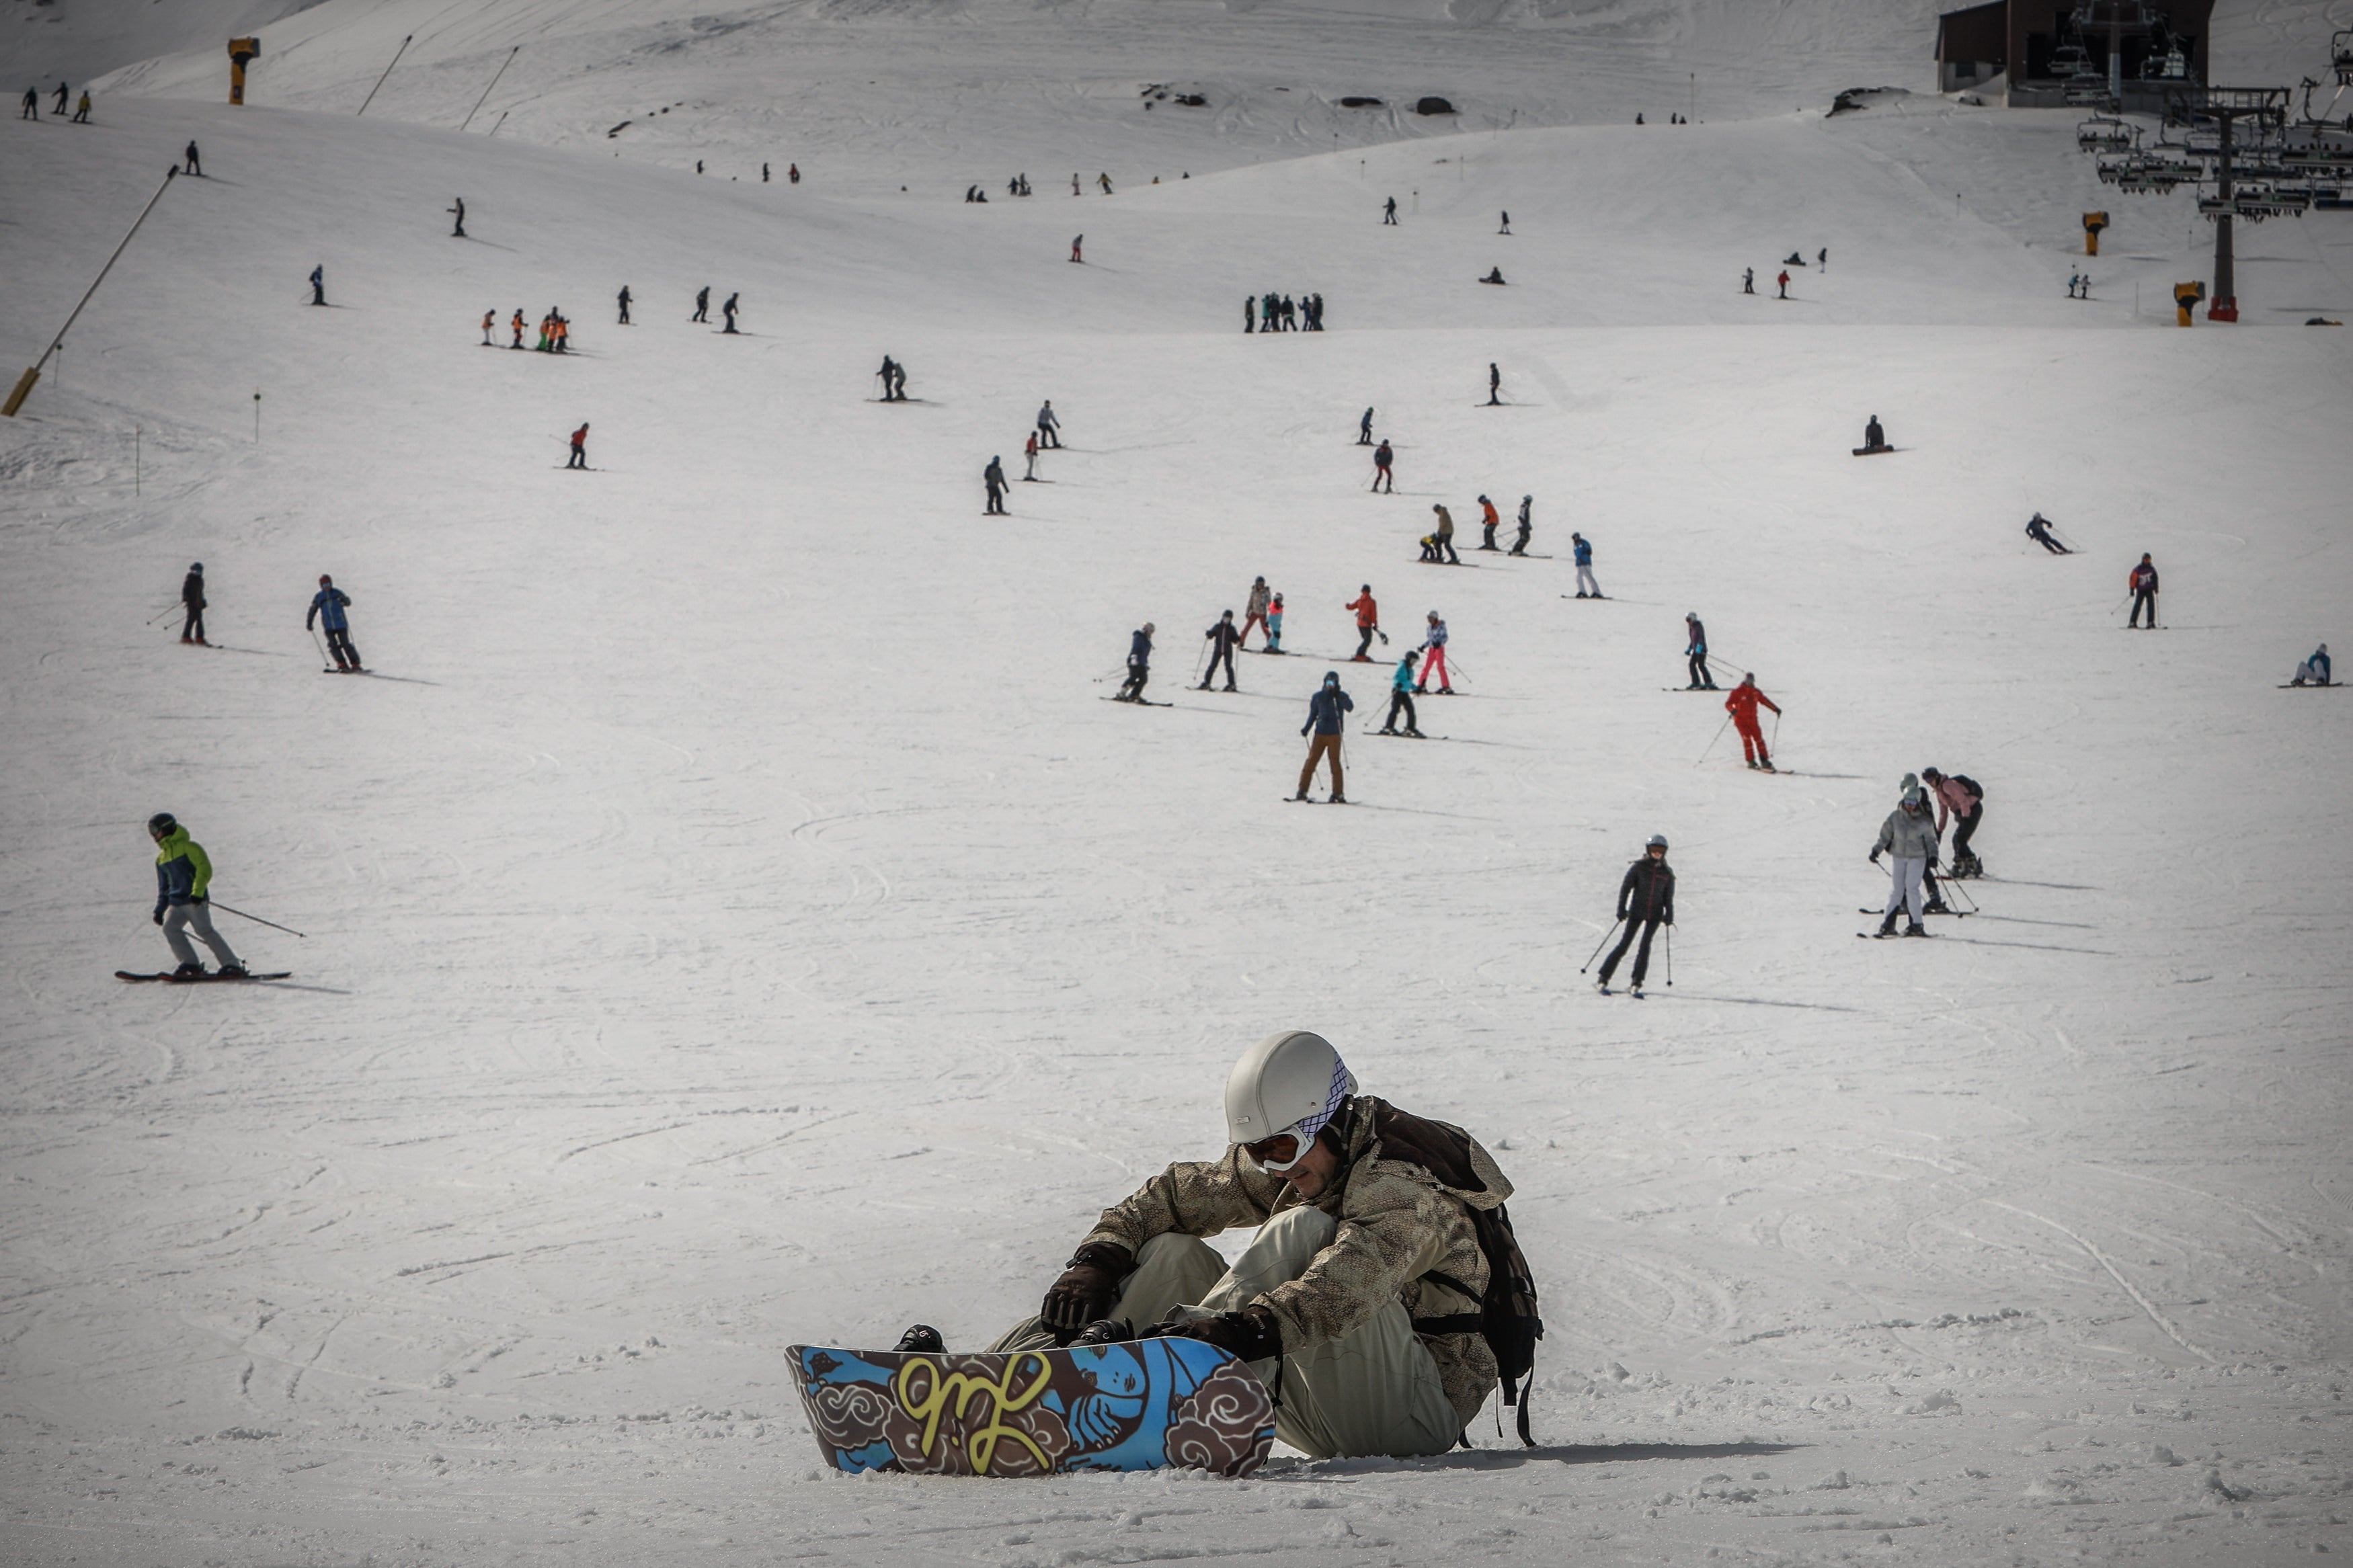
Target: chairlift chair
(2105, 134)
(2340, 55)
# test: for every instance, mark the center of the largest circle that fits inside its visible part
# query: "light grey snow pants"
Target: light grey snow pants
(200, 917)
(1905, 887)
(1373, 1392)
(1585, 583)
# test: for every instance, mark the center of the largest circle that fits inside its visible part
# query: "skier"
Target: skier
(1078, 247)
(1389, 211)
(61, 108)
(1785, 283)
(184, 876)
(1874, 437)
(1695, 654)
(1222, 639)
(702, 305)
(1368, 622)
(1910, 834)
(899, 383)
(728, 310)
(459, 232)
(1748, 280)
(1048, 426)
(490, 325)
(517, 325)
(327, 607)
(1494, 383)
(764, 173)
(1275, 625)
(1586, 586)
(579, 448)
(1250, 314)
(1030, 456)
(1364, 429)
(319, 285)
(1741, 703)
(1139, 665)
(2143, 584)
(1520, 545)
(1489, 520)
(32, 109)
(1254, 611)
(1822, 257)
(1444, 537)
(196, 164)
(993, 478)
(1507, 222)
(1324, 716)
(1959, 800)
(1646, 900)
(793, 173)
(2038, 529)
(1433, 643)
(2313, 671)
(81, 109)
(1382, 477)
(624, 304)
(1401, 694)
(1105, 181)
(1345, 1193)
(192, 595)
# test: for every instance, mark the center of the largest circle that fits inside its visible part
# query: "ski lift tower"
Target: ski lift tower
(2264, 110)
(2118, 19)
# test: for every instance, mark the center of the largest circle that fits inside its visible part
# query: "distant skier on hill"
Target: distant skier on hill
(1495, 385)
(1221, 638)
(1139, 665)
(728, 310)
(459, 208)
(993, 478)
(517, 324)
(1250, 314)
(195, 163)
(793, 173)
(1326, 714)
(490, 325)
(1105, 181)
(898, 383)
(1910, 834)
(1527, 527)
(1588, 586)
(2143, 584)
(1433, 645)
(1874, 435)
(2313, 671)
(1695, 654)
(579, 448)
(624, 302)
(1401, 690)
(1078, 247)
(1048, 426)
(1029, 457)
(1784, 281)
(2038, 529)
(1368, 622)
(319, 285)
(81, 109)
(1364, 429)
(1646, 900)
(1444, 537)
(32, 109)
(192, 595)
(1507, 222)
(1254, 610)
(1275, 625)
(327, 607)
(1382, 478)
(1741, 702)
(184, 876)
(1389, 211)
(702, 305)
(61, 108)
(1748, 280)
(1489, 520)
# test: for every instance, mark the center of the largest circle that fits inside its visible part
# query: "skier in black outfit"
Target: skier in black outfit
(1139, 665)
(192, 594)
(1646, 900)
(1223, 637)
(994, 478)
(61, 98)
(624, 304)
(1695, 654)
(1364, 429)
(2038, 529)
(728, 310)
(319, 285)
(196, 164)
(888, 364)
(1389, 208)
(702, 305)
(32, 109)
(1495, 385)
(1520, 545)
(459, 232)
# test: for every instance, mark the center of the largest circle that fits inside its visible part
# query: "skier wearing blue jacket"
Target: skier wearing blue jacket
(1139, 665)
(327, 607)
(1401, 687)
(184, 876)
(1324, 711)
(1586, 587)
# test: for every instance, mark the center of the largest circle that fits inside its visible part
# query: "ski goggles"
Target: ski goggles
(1281, 1153)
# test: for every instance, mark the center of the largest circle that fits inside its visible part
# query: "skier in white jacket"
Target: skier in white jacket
(1910, 834)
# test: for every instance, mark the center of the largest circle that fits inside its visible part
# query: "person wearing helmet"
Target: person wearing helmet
(1254, 610)
(1434, 667)
(1527, 527)
(1221, 638)
(1959, 802)
(184, 876)
(1646, 900)
(1910, 834)
(1401, 692)
(192, 595)
(1489, 520)
(327, 606)
(1324, 711)
(1588, 586)
(1139, 665)
(1444, 535)
(1741, 702)
(1359, 1296)
(1695, 654)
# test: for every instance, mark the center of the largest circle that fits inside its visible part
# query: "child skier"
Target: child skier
(1434, 645)
(1910, 834)
(1489, 520)
(1222, 639)
(1588, 587)
(1139, 665)
(1401, 692)
(1275, 625)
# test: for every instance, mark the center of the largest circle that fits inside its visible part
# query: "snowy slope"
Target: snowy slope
(740, 923)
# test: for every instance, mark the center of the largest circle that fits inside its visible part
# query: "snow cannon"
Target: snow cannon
(2185, 300)
(2093, 224)
(240, 52)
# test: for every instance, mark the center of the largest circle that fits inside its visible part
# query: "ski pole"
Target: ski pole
(1720, 729)
(1776, 729)
(257, 920)
(1602, 943)
(319, 645)
(163, 615)
(1671, 952)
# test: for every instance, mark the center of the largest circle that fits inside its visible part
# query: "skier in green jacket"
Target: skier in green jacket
(183, 874)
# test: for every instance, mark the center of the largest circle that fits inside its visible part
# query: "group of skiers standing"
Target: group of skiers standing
(32, 109)
(1278, 313)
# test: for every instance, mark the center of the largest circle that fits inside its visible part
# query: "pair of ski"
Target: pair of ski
(171, 977)
(1636, 992)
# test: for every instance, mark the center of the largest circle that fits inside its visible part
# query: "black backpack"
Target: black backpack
(1507, 1318)
(1969, 785)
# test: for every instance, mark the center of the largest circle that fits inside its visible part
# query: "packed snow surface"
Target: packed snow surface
(733, 918)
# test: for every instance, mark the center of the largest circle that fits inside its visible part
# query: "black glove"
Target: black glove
(1932, 862)
(1875, 857)
(1250, 1334)
(1088, 1287)
(159, 914)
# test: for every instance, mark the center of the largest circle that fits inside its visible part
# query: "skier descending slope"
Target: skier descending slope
(1222, 639)
(327, 606)
(184, 876)
(192, 595)
(1368, 622)
(579, 458)
(1741, 702)
(2038, 529)
(1360, 1295)
(1588, 586)
(1401, 694)
(1646, 900)
(1139, 665)
(2143, 584)
(1325, 716)
(1910, 834)
(1527, 525)
(1254, 610)
(1695, 654)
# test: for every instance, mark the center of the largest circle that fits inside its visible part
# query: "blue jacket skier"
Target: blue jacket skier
(1139, 665)
(1325, 717)
(184, 876)
(327, 607)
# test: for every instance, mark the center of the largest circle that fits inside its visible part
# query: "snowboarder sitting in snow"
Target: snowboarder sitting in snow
(1359, 1298)
(184, 875)
(1494, 275)
(2313, 671)
(2038, 529)
(1646, 900)
(1910, 834)
(1139, 665)
(1874, 439)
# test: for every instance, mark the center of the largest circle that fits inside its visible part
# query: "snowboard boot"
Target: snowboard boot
(1915, 929)
(1104, 1331)
(922, 1339)
(189, 972)
(1887, 926)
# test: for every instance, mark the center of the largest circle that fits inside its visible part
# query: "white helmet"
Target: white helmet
(1292, 1081)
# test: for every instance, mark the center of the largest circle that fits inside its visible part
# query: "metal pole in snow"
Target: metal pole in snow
(257, 414)
(486, 91)
(56, 345)
(387, 71)
(135, 461)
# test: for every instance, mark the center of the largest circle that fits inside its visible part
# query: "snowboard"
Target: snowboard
(1145, 1405)
(171, 979)
(1871, 451)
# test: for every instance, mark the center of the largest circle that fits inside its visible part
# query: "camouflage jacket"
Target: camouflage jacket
(1398, 1224)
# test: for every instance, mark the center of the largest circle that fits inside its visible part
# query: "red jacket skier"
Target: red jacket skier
(1741, 703)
